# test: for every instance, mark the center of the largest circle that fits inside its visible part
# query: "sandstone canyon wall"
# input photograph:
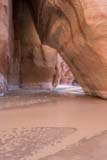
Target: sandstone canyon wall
(36, 61)
(5, 12)
(77, 29)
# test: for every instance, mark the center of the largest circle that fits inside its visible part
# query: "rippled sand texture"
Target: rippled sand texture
(31, 143)
(52, 126)
(94, 148)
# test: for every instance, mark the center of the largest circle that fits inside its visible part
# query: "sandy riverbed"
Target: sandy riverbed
(56, 126)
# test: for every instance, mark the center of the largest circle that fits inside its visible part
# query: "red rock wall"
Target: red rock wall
(63, 73)
(4, 43)
(36, 62)
(24, 60)
(77, 29)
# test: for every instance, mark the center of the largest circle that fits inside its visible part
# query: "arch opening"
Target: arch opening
(36, 65)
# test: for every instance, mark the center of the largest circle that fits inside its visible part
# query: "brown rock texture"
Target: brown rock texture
(64, 72)
(4, 44)
(74, 28)
(35, 62)
(77, 29)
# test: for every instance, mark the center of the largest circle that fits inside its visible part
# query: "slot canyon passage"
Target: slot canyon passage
(53, 80)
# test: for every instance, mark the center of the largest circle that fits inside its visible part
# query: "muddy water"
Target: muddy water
(38, 125)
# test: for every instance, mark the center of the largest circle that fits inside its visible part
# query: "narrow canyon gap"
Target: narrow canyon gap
(75, 28)
(36, 61)
(34, 64)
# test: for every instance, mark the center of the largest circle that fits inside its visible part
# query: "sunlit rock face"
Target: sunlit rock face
(77, 29)
(65, 74)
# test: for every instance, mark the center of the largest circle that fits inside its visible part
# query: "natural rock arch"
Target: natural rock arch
(77, 29)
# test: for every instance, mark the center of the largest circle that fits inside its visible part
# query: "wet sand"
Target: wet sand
(56, 126)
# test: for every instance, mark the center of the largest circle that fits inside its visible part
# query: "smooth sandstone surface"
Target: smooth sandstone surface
(34, 64)
(53, 125)
(77, 29)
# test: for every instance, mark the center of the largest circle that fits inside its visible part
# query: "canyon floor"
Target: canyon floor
(62, 124)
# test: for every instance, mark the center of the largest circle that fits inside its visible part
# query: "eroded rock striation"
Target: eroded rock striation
(77, 29)
(74, 28)
(35, 63)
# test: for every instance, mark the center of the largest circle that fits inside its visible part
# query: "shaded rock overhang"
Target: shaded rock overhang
(71, 28)
(75, 28)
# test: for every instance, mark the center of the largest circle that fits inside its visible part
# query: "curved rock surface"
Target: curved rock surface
(35, 63)
(77, 29)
